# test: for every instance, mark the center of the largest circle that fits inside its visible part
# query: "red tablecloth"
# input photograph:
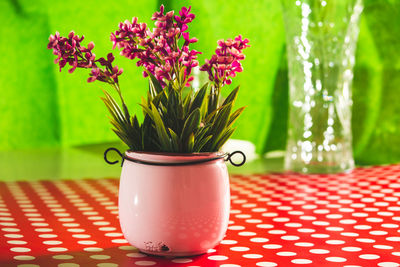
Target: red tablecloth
(276, 220)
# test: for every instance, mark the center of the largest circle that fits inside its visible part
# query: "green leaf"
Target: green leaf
(200, 143)
(155, 85)
(234, 116)
(160, 129)
(224, 137)
(232, 96)
(190, 144)
(191, 124)
(175, 140)
(221, 120)
(198, 98)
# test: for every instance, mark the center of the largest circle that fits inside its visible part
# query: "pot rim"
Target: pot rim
(164, 157)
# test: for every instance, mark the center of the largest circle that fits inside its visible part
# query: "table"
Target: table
(276, 220)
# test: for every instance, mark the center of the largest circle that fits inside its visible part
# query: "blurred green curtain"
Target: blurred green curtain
(40, 107)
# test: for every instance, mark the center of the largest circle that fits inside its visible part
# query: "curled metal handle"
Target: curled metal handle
(229, 158)
(227, 155)
(115, 161)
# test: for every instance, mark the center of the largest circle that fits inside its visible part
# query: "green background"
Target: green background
(42, 108)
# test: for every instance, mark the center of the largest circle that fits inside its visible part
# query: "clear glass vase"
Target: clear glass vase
(321, 39)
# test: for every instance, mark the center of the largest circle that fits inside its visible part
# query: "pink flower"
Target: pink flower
(157, 50)
(226, 61)
(71, 51)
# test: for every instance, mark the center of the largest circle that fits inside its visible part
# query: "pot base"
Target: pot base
(172, 254)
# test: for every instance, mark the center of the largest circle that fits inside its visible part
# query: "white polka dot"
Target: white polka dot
(43, 230)
(319, 251)
(47, 236)
(335, 242)
(253, 221)
(239, 248)
(145, 263)
(113, 234)
(57, 249)
(382, 247)
(351, 249)
(362, 227)
(293, 225)
(286, 253)
(119, 241)
(264, 226)
(52, 242)
(8, 224)
(334, 229)
(388, 264)
(304, 244)
(348, 221)
(396, 253)
(87, 242)
(16, 242)
(228, 242)
(390, 225)
(76, 230)
(308, 218)
(272, 246)
(24, 257)
(100, 257)
(101, 223)
(236, 227)
(320, 235)
(68, 264)
(365, 240)
(334, 216)
(182, 260)
(378, 232)
(259, 209)
(63, 257)
(20, 249)
(369, 256)
(136, 255)
(335, 259)
(10, 229)
(377, 220)
(277, 232)
(247, 233)
(349, 234)
(290, 237)
(252, 256)
(306, 230)
(393, 238)
(107, 264)
(93, 249)
(217, 258)
(266, 264)
(301, 261)
(229, 265)
(259, 239)
(280, 219)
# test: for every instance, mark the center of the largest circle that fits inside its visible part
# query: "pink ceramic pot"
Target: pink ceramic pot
(174, 210)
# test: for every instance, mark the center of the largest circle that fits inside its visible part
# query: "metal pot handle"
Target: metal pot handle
(226, 156)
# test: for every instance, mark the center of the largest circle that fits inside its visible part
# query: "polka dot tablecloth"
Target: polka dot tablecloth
(276, 220)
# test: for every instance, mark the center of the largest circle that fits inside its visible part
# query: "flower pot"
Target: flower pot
(174, 204)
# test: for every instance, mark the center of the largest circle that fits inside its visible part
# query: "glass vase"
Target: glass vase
(321, 38)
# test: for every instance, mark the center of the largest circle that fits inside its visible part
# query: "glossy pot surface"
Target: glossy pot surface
(174, 210)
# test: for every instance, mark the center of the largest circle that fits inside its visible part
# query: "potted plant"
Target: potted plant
(174, 194)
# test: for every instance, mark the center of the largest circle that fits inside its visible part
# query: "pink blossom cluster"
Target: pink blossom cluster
(158, 50)
(225, 63)
(69, 50)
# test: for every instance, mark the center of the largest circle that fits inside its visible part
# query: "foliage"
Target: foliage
(174, 120)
